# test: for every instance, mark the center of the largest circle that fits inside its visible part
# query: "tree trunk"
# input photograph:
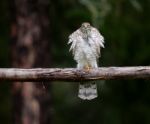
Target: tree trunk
(30, 48)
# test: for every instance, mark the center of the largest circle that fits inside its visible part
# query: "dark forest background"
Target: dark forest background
(125, 25)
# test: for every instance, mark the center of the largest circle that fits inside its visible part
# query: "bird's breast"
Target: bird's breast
(84, 51)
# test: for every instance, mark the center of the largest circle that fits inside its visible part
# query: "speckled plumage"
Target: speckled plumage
(85, 45)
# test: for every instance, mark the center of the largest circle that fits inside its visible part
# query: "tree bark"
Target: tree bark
(72, 74)
(30, 48)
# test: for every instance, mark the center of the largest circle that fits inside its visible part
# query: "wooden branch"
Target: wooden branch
(72, 74)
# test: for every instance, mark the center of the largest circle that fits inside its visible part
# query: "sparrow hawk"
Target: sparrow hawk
(85, 46)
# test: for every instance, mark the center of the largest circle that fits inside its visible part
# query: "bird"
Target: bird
(85, 44)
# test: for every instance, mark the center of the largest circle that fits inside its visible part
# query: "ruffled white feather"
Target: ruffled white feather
(86, 51)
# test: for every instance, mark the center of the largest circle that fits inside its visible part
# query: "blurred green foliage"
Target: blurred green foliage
(125, 26)
(5, 96)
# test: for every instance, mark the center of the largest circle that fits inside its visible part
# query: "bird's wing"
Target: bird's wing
(98, 40)
(74, 38)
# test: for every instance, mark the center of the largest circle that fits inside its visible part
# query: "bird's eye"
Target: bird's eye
(82, 25)
(88, 26)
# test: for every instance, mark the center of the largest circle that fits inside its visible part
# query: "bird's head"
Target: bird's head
(86, 27)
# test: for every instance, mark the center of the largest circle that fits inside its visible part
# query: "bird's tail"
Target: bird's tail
(87, 91)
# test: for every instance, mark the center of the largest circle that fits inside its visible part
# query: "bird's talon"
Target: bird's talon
(87, 68)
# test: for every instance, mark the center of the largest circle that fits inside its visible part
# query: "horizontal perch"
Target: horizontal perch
(72, 74)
